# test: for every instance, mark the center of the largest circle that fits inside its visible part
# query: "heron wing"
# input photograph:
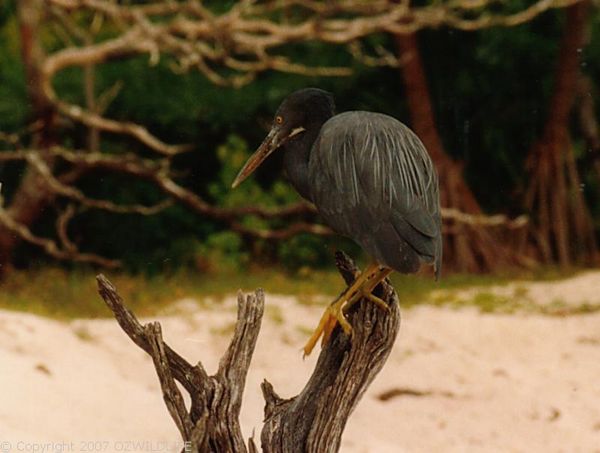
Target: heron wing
(371, 175)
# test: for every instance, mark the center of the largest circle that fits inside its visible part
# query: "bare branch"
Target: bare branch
(104, 99)
(212, 422)
(285, 233)
(240, 350)
(75, 194)
(247, 40)
(229, 46)
(95, 120)
(49, 246)
(189, 376)
(62, 224)
(155, 172)
(312, 421)
(171, 394)
(70, 26)
(484, 220)
(315, 419)
(14, 140)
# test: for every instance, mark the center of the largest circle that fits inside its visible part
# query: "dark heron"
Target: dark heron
(370, 178)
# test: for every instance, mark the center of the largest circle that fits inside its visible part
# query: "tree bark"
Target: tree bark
(586, 115)
(212, 421)
(467, 248)
(313, 421)
(562, 230)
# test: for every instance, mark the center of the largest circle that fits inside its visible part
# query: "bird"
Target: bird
(370, 178)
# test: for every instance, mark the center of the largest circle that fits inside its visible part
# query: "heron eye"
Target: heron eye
(279, 120)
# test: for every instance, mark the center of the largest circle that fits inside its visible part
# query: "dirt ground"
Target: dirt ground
(457, 380)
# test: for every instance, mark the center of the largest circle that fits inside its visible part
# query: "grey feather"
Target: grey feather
(372, 180)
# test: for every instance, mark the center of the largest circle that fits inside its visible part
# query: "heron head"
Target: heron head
(301, 111)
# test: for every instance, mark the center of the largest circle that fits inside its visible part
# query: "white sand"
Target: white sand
(487, 382)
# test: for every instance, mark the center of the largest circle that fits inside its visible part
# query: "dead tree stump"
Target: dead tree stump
(312, 421)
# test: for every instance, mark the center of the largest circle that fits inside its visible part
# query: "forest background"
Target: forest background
(122, 125)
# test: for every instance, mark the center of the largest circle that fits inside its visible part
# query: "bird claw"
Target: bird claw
(336, 313)
(377, 301)
(333, 315)
(361, 288)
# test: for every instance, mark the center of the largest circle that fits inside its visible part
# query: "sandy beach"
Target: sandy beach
(457, 380)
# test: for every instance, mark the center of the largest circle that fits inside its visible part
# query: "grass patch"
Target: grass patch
(224, 330)
(64, 294)
(488, 302)
(559, 307)
(419, 289)
(305, 331)
(84, 334)
(275, 313)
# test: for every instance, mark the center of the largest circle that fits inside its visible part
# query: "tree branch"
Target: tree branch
(157, 172)
(69, 191)
(313, 421)
(229, 46)
(232, 47)
(132, 164)
(62, 225)
(49, 246)
(212, 422)
(172, 395)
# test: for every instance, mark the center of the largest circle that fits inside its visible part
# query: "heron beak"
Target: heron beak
(269, 144)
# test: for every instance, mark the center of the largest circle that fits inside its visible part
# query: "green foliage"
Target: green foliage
(490, 89)
(227, 247)
(14, 107)
(222, 253)
(232, 155)
(304, 250)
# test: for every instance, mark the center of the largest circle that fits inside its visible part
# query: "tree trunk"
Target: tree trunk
(562, 229)
(31, 197)
(467, 248)
(588, 123)
(311, 422)
(314, 420)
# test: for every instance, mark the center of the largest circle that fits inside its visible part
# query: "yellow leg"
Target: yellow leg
(364, 284)
(322, 327)
(331, 323)
(366, 291)
(334, 313)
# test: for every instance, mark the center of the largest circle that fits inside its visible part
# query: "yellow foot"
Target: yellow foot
(333, 315)
(378, 301)
(362, 287)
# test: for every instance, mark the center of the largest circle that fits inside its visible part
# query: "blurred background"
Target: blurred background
(123, 123)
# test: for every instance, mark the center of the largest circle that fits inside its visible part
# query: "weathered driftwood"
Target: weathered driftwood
(211, 423)
(312, 421)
